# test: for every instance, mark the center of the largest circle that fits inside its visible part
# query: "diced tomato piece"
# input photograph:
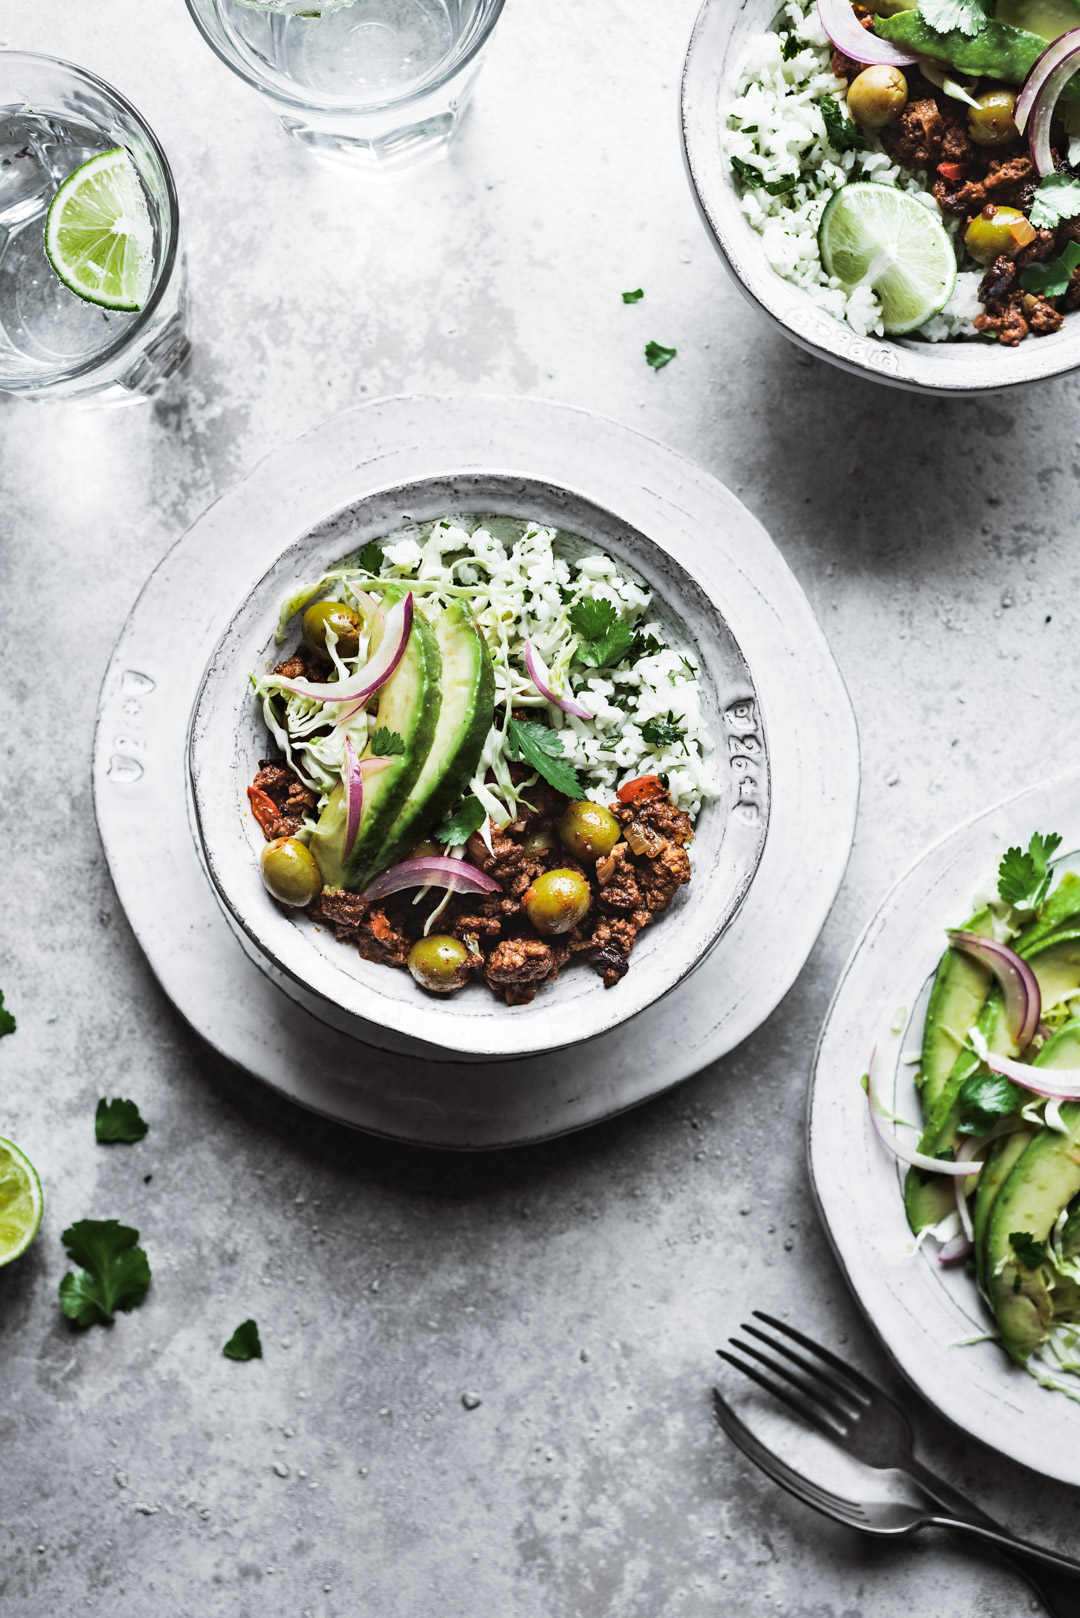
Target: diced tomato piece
(952, 171)
(641, 790)
(265, 810)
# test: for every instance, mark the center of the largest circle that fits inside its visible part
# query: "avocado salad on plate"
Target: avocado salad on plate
(995, 1176)
(915, 169)
(490, 755)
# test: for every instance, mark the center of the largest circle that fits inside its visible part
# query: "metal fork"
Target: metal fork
(883, 1517)
(839, 1402)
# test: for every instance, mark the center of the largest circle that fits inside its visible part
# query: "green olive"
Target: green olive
(540, 841)
(990, 120)
(589, 830)
(439, 963)
(290, 871)
(996, 231)
(335, 615)
(557, 901)
(877, 96)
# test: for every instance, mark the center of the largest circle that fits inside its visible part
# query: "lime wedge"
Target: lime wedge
(98, 233)
(21, 1202)
(874, 235)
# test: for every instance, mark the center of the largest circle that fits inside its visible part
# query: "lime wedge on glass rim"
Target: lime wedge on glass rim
(21, 1202)
(874, 235)
(98, 234)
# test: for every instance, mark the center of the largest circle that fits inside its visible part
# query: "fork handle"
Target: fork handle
(1059, 1591)
(1009, 1543)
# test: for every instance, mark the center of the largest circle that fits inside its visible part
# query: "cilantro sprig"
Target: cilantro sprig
(371, 557)
(984, 1098)
(386, 743)
(114, 1273)
(245, 1343)
(1024, 877)
(1057, 197)
(460, 826)
(543, 748)
(118, 1121)
(605, 637)
(1051, 280)
(968, 17)
(7, 1020)
(843, 133)
(1028, 1250)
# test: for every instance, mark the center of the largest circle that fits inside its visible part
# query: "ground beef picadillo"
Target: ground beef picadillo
(634, 883)
(931, 135)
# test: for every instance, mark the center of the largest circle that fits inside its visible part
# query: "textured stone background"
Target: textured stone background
(578, 1288)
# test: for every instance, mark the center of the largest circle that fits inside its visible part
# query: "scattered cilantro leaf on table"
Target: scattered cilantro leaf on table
(984, 1098)
(1024, 878)
(115, 1273)
(633, 297)
(7, 1020)
(607, 639)
(965, 16)
(749, 175)
(1051, 280)
(371, 556)
(460, 827)
(1057, 197)
(542, 748)
(118, 1121)
(385, 743)
(244, 1344)
(1030, 1252)
(844, 134)
(658, 356)
(662, 733)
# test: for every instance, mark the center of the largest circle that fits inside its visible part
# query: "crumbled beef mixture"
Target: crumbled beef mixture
(279, 799)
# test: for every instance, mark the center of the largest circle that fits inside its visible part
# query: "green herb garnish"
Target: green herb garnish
(460, 827)
(633, 297)
(662, 733)
(965, 16)
(542, 748)
(606, 637)
(371, 557)
(118, 1121)
(791, 47)
(644, 646)
(749, 175)
(1030, 1252)
(1051, 280)
(7, 1021)
(114, 1275)
(844, 135)
(1024, 879)
(1057, 197)
(658, 356)
(984, 1098)
(385, 743)
(244, 1343)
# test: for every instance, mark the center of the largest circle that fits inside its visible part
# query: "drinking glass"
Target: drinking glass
(53, 117)
(376, 84)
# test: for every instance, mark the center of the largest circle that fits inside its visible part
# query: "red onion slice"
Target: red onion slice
(1040, 93)
(1023, 999)
(843, 28)
(376, 671)
(957, 1247)
(908, 1154)
(540, 677)
(1062, 1083)
(434, 871)
(355, 771)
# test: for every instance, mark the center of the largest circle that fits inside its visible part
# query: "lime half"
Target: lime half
(876, 236)
(21, 1202)
(98, 233)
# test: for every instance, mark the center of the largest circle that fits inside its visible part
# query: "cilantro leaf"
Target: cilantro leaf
(7, 1021)
(1057, 197)
(592, 617)
(607, 637)
(658, 356)
(118, 1121)
(371, 556)
(644, 646)
(385, 743)
(114, 1275)
(965, 16)
(244, 1344)
(661, 733)
(460, 827)
(984, 1098)
(1024, 879)
(542, 748)
(843, 133)
(633, 297)
(1051, 280)
(749, 175)
(1030, 1252)
(791, 47)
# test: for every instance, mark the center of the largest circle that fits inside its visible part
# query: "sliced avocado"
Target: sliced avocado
(465, 719)
(959, 994)
(409, 705)
(1044, 1180)
(1001, 1159)
(998, 51)
(1047, 18)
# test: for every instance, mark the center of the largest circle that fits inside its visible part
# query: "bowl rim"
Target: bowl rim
(950, 369)
(495, 1033)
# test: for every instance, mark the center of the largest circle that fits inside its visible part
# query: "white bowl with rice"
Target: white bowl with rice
(736, 79)
(546, 540)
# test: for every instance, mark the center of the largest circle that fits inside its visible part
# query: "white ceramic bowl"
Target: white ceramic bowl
(227, 738)
(717, 48)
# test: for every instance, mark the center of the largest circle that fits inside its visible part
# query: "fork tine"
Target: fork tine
(840, 1416)
(805, 1413)
(811, 1494)
(861, 1382)
(817, 1373)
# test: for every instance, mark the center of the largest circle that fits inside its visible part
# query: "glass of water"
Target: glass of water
(377, 84)
(53, 118)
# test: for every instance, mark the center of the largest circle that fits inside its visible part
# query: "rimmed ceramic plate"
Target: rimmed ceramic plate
(339, 1064)
(918, 1307)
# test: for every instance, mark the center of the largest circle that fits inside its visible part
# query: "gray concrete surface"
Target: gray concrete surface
(579, 1288)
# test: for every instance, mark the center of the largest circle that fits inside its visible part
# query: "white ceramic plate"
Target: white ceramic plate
(918, 1307)
(326, 1058)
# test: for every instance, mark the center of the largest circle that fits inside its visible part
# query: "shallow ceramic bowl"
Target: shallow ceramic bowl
(227, 738)
(717, 48)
